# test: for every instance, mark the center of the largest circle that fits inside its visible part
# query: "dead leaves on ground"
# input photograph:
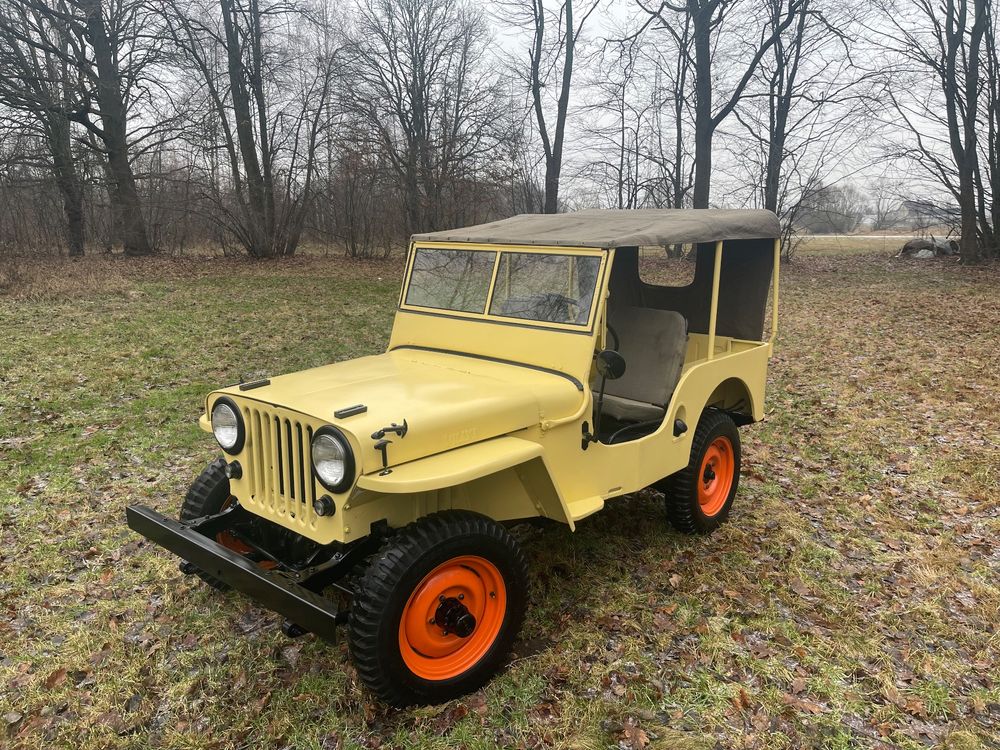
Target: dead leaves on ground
(852, 599)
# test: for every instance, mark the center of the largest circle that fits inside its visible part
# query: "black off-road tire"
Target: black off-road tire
(397, 571)
(684, 510)
(207, 496)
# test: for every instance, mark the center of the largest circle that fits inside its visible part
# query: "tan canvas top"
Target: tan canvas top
(617, 228)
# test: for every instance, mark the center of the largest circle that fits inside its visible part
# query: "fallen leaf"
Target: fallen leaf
(803, 705)
(56, 678)
(477, 703)
(799, 587)
(634, 737)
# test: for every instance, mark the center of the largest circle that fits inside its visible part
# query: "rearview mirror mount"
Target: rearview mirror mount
(610, 366)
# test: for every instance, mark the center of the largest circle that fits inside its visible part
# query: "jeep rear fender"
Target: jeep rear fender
(734, 396)
(504, 478)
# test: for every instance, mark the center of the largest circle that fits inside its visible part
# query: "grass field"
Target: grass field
(852, 601)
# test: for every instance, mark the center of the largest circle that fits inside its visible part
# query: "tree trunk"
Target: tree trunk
(109, 99)
(704, 126)
(553, 161)
(260, 221)
(70, 189)
(553, 166)
(964, 141)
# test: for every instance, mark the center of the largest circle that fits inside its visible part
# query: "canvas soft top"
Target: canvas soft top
(618, 228)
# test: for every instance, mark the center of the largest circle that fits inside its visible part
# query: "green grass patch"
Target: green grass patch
(851, 601)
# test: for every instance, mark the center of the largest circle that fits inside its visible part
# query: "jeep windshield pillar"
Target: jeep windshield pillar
(530, 372)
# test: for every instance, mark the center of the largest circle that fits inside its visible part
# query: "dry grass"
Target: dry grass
(851, 602)
(52, 279)
(841, 245)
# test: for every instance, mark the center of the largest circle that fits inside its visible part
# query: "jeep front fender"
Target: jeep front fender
(504, 478)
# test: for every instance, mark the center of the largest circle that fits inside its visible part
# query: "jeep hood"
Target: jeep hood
(447, 399)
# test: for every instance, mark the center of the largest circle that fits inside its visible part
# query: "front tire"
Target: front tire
(700, 496)
(208, 495)
(438, 609)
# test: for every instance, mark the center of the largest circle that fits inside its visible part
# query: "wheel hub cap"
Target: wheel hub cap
(454, 617)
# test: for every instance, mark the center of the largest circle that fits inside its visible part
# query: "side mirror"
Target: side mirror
(610, 364)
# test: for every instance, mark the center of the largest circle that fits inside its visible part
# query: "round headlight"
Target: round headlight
(227, 426)
(332, 460)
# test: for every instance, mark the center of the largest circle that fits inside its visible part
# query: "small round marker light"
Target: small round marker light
(234, 470)
(323, 506)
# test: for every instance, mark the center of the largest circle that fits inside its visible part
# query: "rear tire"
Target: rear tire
(410, 633)
(700, 496)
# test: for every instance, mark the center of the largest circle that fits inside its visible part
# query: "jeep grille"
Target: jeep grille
(280, 471)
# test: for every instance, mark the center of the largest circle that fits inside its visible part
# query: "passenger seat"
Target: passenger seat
(654, 345)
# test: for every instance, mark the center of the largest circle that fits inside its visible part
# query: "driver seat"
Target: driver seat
(654, 345)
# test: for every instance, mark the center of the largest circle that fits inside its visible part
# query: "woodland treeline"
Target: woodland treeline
(260, 126)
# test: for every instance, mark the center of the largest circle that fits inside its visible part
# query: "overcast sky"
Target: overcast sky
(863, 160)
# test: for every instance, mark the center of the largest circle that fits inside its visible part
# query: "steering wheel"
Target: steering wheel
(614, 337)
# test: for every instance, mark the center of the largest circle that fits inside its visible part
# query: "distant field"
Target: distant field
(845, 244)
(851, 602)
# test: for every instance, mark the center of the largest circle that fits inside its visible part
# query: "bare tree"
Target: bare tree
(427, 101)
(800, 113)
(620, 115)
(988, 180)
(835, 209)
(708, 18)
(555, 33)
(671, 81)
(88, 41)
(884, 203)
(946, 40)
(266, 83)
(41, 84)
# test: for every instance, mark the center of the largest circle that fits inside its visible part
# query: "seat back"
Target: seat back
(654, 344)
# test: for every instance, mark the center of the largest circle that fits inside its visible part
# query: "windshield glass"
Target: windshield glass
(551, 288)
(538, 286)
(451, 279)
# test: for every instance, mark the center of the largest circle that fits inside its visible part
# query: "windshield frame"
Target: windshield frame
(486, 315)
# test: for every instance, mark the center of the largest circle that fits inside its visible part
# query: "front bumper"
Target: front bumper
(293, 594)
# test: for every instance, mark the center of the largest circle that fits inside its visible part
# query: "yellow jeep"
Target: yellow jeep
(531, 373)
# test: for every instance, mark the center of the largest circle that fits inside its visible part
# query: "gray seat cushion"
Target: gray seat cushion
(654, 344)
(627, 410)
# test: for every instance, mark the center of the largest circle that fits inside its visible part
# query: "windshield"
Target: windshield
(537, 286)
(553, 288)
(451, 279)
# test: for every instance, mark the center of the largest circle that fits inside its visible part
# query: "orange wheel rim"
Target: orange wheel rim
(715, 479)
(440, 605)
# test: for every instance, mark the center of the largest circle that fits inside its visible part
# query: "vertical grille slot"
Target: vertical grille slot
(302, 466)
(312, 474)
(291, 458)
(280, 471)
(276, 424)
